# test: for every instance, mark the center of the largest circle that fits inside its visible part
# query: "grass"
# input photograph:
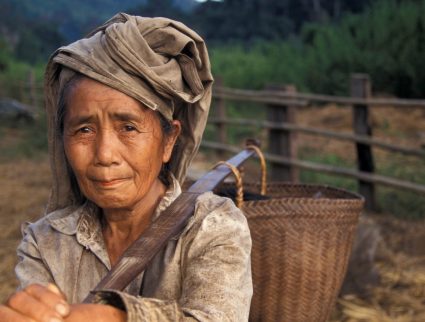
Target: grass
(402, 204)
(236, 135)
(23, 140)
(327, 179)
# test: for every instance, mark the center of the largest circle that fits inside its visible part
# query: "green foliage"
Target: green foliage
(236, 135)
(387, 42)
(403, 204)
(247, 21)
(263, 63)
(14, 78)
(162, 8)
(327, 179)
(243, 21)
(5, 55)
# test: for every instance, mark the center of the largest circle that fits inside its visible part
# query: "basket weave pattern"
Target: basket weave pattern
(302, 240)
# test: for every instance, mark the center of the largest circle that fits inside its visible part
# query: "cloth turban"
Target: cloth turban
(158, 61)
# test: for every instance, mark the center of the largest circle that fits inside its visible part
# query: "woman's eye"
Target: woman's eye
(129, 128)
(84, 129)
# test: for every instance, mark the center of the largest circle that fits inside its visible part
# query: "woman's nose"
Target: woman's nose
(106, 147)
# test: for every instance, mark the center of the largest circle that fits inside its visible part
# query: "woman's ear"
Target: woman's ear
(171, 140)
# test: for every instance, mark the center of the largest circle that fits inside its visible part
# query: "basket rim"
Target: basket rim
(311, 201)
(351, 195)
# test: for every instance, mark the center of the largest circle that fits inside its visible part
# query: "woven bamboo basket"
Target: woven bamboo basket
(301, 247)
(302, 237)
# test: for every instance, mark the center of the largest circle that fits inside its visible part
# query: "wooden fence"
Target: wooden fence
(282, 102)
(28, 91)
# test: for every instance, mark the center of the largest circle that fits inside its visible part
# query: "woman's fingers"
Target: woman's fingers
(28, 306)
(50, 296)
(54, 289)
(38, 303)
(9, 315)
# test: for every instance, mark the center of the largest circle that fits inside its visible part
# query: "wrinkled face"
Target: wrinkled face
(114, 145)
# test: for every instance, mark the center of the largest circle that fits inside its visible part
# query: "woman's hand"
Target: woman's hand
(35, 303)
(95, 313)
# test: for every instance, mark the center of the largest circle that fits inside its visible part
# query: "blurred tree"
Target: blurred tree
(322, 11)
(43, 25)
(161, 8)
(37, 42)
(387, 41)
(245, 21)
(4, 54)
(33, 29)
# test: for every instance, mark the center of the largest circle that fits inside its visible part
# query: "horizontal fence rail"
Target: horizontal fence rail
(302, 99)
(256, 96)
(320, 132)
(373, 178)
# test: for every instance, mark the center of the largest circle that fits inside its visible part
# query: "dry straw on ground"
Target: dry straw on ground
(400, 294)
(24, 190)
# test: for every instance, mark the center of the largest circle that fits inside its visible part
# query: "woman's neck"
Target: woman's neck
(121, 227)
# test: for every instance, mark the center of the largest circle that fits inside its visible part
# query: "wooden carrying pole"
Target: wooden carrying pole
(136, 258)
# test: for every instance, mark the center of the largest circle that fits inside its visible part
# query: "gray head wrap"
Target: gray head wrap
(158, 61)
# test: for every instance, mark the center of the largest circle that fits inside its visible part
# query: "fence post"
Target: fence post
(282, 142)
(31, 85)
(361, 88)
(21, 90)
(220, 114)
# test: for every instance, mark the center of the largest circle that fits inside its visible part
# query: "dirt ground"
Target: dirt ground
(398, 294)
(25, 189)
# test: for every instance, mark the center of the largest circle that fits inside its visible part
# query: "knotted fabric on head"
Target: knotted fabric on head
(157, 61)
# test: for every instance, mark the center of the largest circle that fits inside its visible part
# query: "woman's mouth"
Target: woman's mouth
(109, 182)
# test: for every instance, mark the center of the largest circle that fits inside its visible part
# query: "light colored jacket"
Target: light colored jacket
(203, 274)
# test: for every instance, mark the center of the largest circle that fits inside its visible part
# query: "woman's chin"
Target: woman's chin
(122, 195)
(112, 203)
(112, 200)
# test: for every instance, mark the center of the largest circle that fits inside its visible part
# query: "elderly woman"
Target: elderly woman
(126, 108)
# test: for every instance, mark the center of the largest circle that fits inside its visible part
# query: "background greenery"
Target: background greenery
(252, 42)
(387, 41)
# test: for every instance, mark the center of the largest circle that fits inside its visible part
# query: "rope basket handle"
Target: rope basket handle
(263, 167)
(238, 182)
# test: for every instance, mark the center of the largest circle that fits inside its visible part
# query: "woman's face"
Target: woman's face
(114, 145)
